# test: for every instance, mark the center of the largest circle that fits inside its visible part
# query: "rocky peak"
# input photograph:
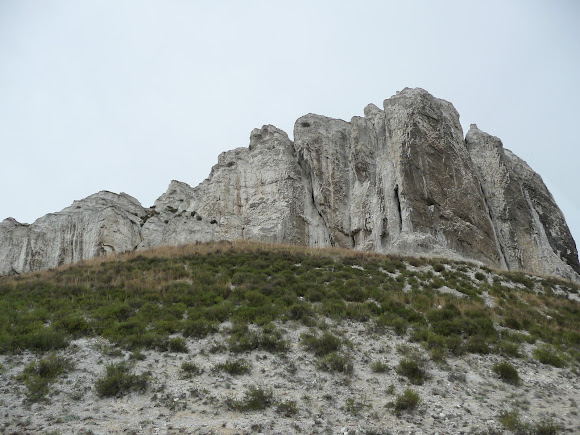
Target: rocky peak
(398, 180)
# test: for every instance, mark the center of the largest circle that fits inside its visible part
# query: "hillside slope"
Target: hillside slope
(246, 338)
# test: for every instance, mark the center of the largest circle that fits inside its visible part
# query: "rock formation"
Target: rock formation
(398, 180)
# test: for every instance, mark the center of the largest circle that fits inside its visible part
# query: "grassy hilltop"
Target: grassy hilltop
(232, 313)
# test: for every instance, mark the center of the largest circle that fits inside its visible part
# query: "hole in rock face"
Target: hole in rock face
(305, 124)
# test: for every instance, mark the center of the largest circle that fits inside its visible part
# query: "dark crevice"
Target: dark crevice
(495, 230)
(399, 208)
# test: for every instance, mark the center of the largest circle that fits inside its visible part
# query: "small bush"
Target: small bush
(191, 369)
(511, 420)
(379, 367)
(178, 344)
(287, 408)
(38, 375)
(138, 356)
(321, 346)
(479, 276)
(412, 370)
(512, 323)
(478, 344)
(199, 328)
(255, 399)
(547, 356)
(335, 362)
(507, 373)
(546, 427)
(119, 380)
(355, 407)
(509, 349)
(234, 367)
(270, 339)
(438, 267)
(407, 401)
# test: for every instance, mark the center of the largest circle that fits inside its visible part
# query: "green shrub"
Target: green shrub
(512, 323)
(40, 340)
(199, 328)
(178, 344)
(413, 370)
(479, 276)
(354, 407)
(190, 369)
(379, 367)
(38, 375)
(478, 344)
(507, 372)
(455, 345)
(546, 356)
(242, 339)
(270, 339)
(287, 408)
(394, 321)
(407, 401)
(234, 367)
(321, 346)
(546, 427)
(119, 380)
(255, 399)
(438, 267)
(509, 349)
(511, 420)
(335, 362)
(76, 326)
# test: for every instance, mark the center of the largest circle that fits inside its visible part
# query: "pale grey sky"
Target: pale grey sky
(126, 96)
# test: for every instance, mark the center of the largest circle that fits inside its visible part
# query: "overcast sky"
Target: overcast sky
(127, 95)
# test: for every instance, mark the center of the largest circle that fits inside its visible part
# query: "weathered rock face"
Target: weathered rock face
(99, 224)
(531, 231)
(398, 180)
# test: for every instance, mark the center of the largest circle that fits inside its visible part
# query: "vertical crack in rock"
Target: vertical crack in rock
(495, 228)
(399, 213)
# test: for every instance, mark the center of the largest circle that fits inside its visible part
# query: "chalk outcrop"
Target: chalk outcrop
(402, 179)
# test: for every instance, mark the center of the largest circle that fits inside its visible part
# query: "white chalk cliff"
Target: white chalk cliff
(398, 180)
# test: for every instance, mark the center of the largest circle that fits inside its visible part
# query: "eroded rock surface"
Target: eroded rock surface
(398, 180)
(99, 224)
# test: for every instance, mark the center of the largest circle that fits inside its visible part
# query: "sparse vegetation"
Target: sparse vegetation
(177, 344)
(38, 375)
(233, 367)
(507, 373)
(414, 370)
(138, 301)
(511, 420)
(335, 362)
(119, 380)
(190, 369)
(323, 345)
(355, 407)
(250, 301)
(407, 401)
(255, 399)
(250, 297)
(287, 408)
(547, 356)
(379, 367)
